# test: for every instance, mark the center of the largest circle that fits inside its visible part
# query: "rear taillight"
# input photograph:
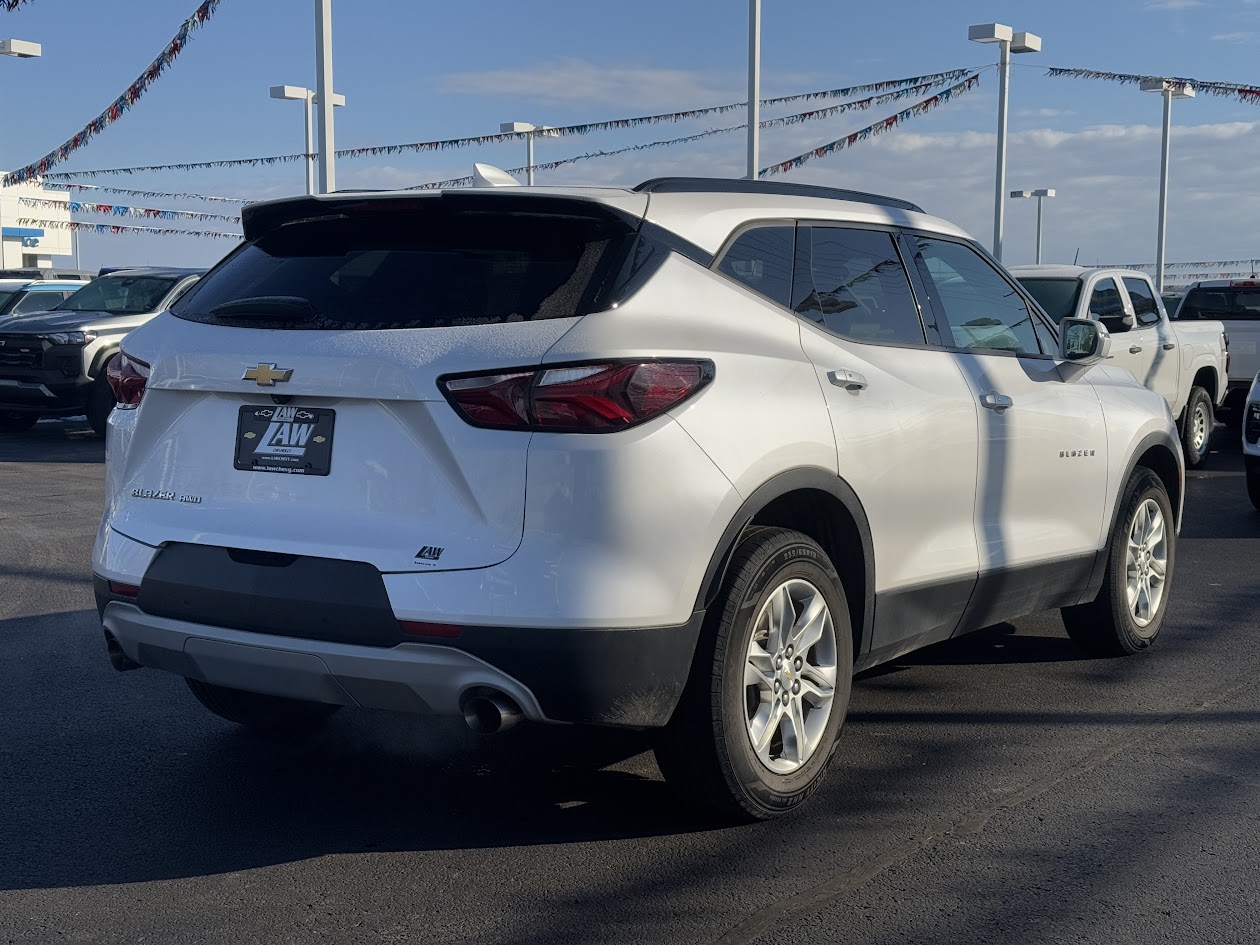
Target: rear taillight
(576, 398)
(127, 378)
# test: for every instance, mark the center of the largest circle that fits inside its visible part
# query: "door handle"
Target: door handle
(996, 401)
(849, 380)
(1168, 346)
(1134, 349)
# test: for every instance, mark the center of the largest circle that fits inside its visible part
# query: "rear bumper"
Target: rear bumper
(630, 678)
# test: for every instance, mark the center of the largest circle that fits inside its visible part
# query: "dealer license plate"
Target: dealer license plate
(285, 439)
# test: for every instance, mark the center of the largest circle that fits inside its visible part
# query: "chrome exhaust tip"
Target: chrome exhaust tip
(491, 712)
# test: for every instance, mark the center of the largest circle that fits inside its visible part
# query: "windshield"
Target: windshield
(1057, 296)
(1227, 302)
(120, 295)
(421, 269)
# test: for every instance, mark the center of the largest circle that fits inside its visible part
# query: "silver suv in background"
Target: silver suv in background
(53, 364)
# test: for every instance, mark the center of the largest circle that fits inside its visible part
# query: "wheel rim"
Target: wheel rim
(1146, 563)
(790, 676)
(1199, 430)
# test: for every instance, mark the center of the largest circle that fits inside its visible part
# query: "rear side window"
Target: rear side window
(1144, 306)
(761, 258)
(852, 283)
(1226, 303)
(429, 267)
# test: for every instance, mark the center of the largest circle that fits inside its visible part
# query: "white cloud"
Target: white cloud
(1240, 38)
(1173, 4)
(571, 81)
(1045, 112)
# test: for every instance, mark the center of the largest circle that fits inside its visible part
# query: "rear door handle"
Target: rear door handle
(996, 401)
(1134, 349)
(1168, 346)
(849, 380)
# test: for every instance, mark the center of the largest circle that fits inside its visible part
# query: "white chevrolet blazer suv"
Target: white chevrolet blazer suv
(684, 456)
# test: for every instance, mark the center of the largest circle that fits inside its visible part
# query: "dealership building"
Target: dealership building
(32, 245)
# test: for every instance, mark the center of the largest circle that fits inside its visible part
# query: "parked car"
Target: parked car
(1251, 441)
(31, 273)
(771, 433)
(25, 297)
(1236, 304)
(1187, 364)
(53, 364)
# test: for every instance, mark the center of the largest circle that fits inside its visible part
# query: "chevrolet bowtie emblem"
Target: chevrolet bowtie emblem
(267, 375)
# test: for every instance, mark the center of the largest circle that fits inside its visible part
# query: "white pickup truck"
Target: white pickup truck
(1235, 303)
(1187, 363)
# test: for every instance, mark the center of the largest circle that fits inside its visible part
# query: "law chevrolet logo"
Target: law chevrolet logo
(267, 375)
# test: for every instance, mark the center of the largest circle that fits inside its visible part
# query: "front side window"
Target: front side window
(983, 310)
(852, 283)
(1104, 300)
(1145, 308)
(761, 258)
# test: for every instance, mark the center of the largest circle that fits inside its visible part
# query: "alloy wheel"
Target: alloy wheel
(1146, 563)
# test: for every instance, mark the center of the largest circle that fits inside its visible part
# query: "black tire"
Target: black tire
(1106, 626)
(17, 422)
(260, 712)
(1253, 487)
(100, 403)
(706, 752)
(1199, 402)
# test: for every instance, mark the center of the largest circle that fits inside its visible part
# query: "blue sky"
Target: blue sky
(417, 71)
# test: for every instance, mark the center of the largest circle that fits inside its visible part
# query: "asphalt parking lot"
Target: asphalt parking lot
(998, 788)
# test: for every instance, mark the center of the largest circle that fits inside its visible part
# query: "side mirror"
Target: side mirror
(1083, 341)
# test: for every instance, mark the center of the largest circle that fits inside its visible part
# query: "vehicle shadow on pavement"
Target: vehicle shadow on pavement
(53, 441)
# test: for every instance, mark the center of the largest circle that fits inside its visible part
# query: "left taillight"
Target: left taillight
(576, 398)
(127, 377)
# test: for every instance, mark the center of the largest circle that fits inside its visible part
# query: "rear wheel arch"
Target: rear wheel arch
(1206, 378)
(817, 503)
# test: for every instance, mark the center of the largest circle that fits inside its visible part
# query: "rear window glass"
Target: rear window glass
(1057, 296)
(1226, 303)
(428, 268)
(119, 295)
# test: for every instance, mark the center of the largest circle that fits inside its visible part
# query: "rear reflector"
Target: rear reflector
(415, 628)
(118, 589)
(576, 398)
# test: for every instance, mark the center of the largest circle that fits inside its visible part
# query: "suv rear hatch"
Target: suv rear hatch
(292, 403)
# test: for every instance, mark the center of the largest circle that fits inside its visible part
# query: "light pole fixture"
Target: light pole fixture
(1170, 90)
(296, 93)
(530, 132)
(324, 89)
(1008, 42)
(19, 49)
(1041, 195)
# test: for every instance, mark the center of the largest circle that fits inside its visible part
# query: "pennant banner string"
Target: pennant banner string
(117, 229)
(117, 210)
(148, 193)
(14, 4)
(121, 104)
(915, 85)
(879, 128)
(1244, 93)
(1210, 264)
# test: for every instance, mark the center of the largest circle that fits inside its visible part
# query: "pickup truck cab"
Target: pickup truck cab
(52, 364)
(1235, 303)
(1187, 364)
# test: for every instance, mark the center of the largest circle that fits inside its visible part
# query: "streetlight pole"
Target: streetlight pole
(296, 93)
(21, 49)
(1008, 42)
(754, 86)
(324, 89)
(530, 132)
(1169, 90)
(1041, 195)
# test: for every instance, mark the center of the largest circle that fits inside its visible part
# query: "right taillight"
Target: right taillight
(127, 377)
(576, 398)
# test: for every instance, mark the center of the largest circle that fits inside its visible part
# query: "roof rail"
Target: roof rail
(721, 185)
